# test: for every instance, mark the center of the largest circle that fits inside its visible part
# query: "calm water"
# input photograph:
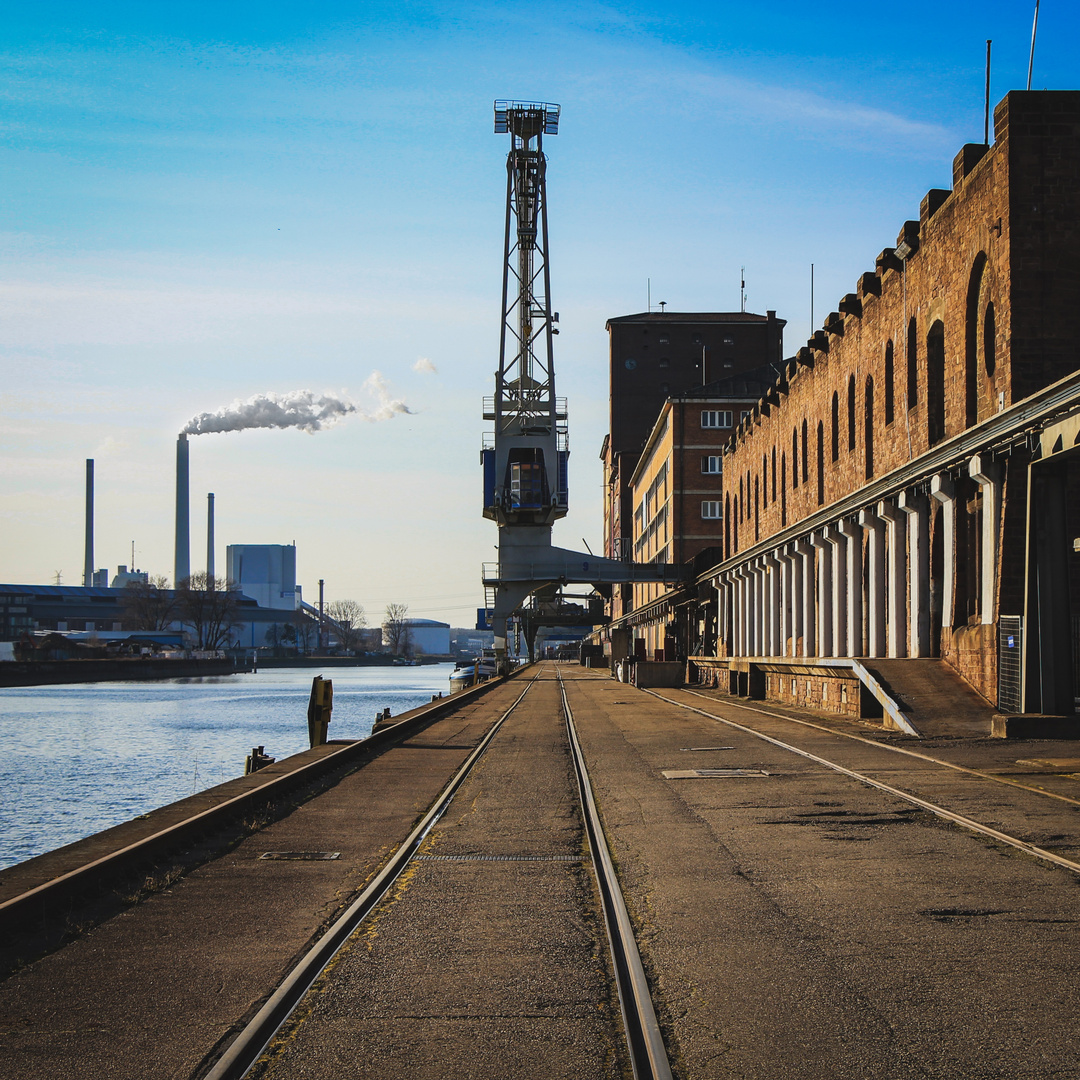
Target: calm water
(78, 759)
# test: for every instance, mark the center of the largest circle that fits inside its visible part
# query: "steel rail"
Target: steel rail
(896, 750)
(647, 1052)
(940, 811)
(248, 1046)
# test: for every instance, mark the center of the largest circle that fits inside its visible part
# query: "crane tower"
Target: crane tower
(525, 458)
(525, 469)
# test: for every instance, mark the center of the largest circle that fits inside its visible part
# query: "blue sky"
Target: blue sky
(205, 202)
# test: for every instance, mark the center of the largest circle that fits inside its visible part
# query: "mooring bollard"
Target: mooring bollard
(320, 706)
(257, 760)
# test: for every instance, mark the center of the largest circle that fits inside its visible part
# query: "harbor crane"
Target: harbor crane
(526, 457)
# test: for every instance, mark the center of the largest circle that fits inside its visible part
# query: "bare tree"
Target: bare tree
(149, 605)
(395, 628)
(209, 606)
(307, 630)
(350, 618)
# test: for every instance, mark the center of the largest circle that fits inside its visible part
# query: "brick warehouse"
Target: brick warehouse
(908, 487)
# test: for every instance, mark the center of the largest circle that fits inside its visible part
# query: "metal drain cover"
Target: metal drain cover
(302, 856)
(693, 774)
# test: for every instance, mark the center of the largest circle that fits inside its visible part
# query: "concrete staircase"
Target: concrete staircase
(936, 700)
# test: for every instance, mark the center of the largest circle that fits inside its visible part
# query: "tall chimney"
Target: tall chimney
(209, 538)
(182, 564)
(88, 551)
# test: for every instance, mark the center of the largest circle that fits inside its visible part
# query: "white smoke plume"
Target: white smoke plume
(301, 409)
(423, 364)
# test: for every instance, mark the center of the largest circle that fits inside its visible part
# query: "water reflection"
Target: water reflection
(78, 759)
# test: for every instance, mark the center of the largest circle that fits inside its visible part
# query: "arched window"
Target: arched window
(794, 458)
(757, 509)
(805, 456)
(851, 412)
(935, 383)
(835, 427)
(912, 364)
(889, 384)
(868, 426)
(971, 342)
(820, 463)
(773, 496)
(989, 341)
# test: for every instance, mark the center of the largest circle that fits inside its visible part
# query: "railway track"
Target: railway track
(645, 1046)
(864, 777)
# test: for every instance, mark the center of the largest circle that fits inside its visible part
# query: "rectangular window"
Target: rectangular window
(713, 463)
(710, 509)
(715, 418)
(744, 414)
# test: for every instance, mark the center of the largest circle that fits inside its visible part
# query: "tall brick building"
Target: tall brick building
(908, 487)
(677, 488)
(653, 356)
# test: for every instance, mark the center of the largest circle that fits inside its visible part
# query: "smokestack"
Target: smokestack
(88, 555)
(210, 537)
(182, 564)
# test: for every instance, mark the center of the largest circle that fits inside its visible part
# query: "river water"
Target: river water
(80, 758)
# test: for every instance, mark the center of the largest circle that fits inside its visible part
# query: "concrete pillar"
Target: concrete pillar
(793, 600)
(987, 474)
(917, 509)
(837, 551)
(944, 491)
(786, 649)
(824, 594)
(740, 612)
(896, 577)
(805, 595)
(773, 643)
(851, 529)
(761, 602)
(875, 534)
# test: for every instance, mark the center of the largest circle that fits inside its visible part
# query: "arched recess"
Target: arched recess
(794, 458)
(868, 426)
(783, 489)
(805, 457)
(989, 340)
(971, 341)
(820, 464)
(935, 383)
(851, 412)
(835, 426)
(912, 364)
(727, 526)
(890, 384)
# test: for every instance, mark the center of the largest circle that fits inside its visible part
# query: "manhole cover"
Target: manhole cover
(302, 856)
(693, 774)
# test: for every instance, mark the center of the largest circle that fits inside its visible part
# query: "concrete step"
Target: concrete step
(936, 700)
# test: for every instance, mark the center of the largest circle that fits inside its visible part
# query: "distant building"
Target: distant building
(265, 572)
(124, 576)
(652, 357)
(677, 486)
(426, 637)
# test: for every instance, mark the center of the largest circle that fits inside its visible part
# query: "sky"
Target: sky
(203, 202)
